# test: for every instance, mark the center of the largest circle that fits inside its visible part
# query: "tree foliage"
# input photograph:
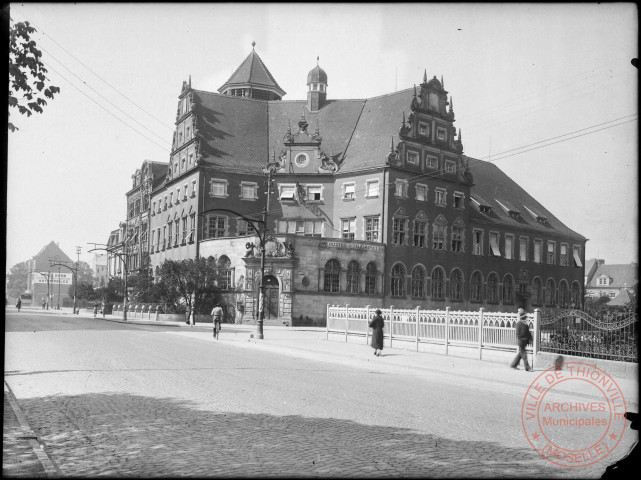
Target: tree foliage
(16, 280)
(84, 287)
(190, 285)
(28, 83)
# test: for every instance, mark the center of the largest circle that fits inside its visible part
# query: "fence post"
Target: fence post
(480, 333)
(417, 314)
(346, 320)
(327, 324)
(447, 328)
(537, 332)
(391, 324)
(367, 325)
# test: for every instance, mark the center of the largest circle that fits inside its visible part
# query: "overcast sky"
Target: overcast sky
(522, 77)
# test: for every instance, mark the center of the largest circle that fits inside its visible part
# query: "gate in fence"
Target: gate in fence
(478, 330)
(605, 334)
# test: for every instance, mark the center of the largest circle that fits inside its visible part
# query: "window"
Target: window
(153, 241)
(494, 244)
(508, 289)
(477, 242)
(164, 237)
(423, 129)
(523, 249)
(440, 196)
(192, 233)
(399, 230)
(300, 227)
(191, 159)
(509, 247)
(169, 235)
(537, 251)
(177, 224)
(456, 285)
(185, 192)
(314, 228)
(158, 242)
(349, 191)
(420, 231)
(287, 192)
(418, 282)
(457, 238)
(353, 276)
(412, 158)
(224, 273)
(370, 279)
(371, 229)
(550, 288)
(438, 233)
(437, 283)
(603, 281)
(177, 196)
(401, 188)
(244, 228)
(576, 255)
(171, 199)
(131, 209)
(193, 188)
(372, 188)
(331, 279)
(551, 258)
(183, 162)
(459, 200)
(450, 166)
(537, 292)
(176, 168)
(216, 226)
(398, 280)
(153, 208)
(348, 228)
(188, 133)
(563, 259)
(492, 288)
(184, 231)
(475, 287)
(301, 160)
(564, 294)
(314, 193)
(248, 190)
(576, 295)
(431, 161)
(441, 134)
(218, 188)
(421, 192)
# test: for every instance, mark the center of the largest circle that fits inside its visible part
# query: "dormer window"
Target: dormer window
(509, 209)
(538, 216)
(441, 134)
(603, 281)
(484, 206)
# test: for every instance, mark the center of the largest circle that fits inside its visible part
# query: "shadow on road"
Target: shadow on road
(129, 435)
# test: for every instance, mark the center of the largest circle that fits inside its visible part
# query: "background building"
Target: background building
(48, 283)
(612, 280)
(99, 266)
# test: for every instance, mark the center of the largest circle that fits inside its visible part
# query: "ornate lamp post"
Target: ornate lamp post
(123, 256)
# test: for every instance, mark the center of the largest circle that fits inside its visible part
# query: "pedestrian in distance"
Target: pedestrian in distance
(523, 337)
(217, 316)
(95, 309)
(18, 304)
(43, 303)
(377, 324)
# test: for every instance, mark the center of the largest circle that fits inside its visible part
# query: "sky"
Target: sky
(545, 91)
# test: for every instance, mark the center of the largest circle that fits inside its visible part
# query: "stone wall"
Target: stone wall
(629, 370)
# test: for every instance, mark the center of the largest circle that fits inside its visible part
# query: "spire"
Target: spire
(190, 80)
(391, 150)
(302, 123)
(425, 76)
(460, 137)
(442, 82)
(317, 60)
(414, 90)
(253, 45)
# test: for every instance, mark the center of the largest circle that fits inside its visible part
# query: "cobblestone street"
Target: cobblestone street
(121, 401)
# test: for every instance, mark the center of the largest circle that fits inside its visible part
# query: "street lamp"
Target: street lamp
(74, 272)
(122, 256)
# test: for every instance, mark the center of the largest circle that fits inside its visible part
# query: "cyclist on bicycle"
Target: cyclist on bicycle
(217, 314)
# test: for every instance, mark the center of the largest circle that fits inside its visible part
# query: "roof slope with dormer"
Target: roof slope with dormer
(621, 276)
(252, 73)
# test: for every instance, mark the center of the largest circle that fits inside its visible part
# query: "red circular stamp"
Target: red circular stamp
(574, 417)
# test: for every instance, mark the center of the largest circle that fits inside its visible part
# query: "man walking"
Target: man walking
(523, 336)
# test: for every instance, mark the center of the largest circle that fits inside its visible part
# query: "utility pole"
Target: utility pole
(75, 283)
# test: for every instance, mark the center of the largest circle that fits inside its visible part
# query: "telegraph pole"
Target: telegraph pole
(75, 283)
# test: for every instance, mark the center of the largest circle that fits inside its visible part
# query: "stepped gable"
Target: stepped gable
(252, 72)
(491, 184)
(377, 125)
(232, 131)
(335, 120)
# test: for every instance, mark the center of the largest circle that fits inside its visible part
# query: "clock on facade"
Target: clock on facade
(301, 160)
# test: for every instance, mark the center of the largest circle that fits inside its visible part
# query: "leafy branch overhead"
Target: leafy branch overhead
(28, 83)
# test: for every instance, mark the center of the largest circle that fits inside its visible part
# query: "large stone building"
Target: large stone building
(371, 202)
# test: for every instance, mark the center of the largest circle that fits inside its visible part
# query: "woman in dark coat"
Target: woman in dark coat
(377, 325)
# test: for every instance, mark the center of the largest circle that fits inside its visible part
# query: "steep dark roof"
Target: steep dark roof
(252, 72)
(621, 275)
(49, 252)
(233, 131)
(491, 184)
(621, 300)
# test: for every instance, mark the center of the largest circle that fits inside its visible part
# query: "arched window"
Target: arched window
(437, 283)
(550, 290)
(332, 276)
(508, 289)
(564, 294)
(475, 287)
(418, 282)
(456, 285)
(398, 280)
(353, 276)
(537, 292)
(493, 288)
(370, 279)
(576, 295)
(224, 272)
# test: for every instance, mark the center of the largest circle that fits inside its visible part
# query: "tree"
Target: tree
(28, 83)
(84, 287)
(190, 285)
(16, 281)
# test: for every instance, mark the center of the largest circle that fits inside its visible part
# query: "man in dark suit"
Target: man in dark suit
(523, 336)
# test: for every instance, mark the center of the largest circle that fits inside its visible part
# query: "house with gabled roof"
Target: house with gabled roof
(47, 283)
(370, 202)
(611, 280)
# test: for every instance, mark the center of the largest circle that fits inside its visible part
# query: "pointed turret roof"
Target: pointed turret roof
(252, 73)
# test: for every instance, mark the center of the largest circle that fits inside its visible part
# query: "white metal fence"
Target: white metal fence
(475, 330)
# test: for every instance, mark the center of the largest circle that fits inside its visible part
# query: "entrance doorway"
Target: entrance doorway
(271, 296)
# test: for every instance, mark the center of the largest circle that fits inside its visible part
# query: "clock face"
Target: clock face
(301, 160)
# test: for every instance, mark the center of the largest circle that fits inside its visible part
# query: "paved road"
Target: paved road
(129, 400)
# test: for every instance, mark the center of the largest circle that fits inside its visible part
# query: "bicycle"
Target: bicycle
(216, 329)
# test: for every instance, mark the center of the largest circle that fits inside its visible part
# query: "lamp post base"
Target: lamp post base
(259, 330)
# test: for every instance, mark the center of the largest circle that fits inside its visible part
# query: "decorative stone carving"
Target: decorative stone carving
(327, 164)
(250, 249)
